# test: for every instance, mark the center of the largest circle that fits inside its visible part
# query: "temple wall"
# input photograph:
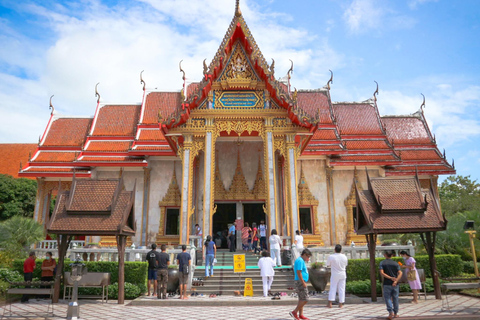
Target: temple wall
(342, 184)
(160, 177)
(314, 171)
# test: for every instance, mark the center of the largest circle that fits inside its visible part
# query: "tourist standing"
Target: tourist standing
(162, 272)
(391, 273)
(245, 232)
(183, 260)
(412, 273)
(152, 259)
(262, 230)
(301, 277)
(255, 238)
(209, 254)
(338, 263)
(231, 237)
(299, 241)
(28, 267)
(275, 245)
(48, 266)
(266, 264)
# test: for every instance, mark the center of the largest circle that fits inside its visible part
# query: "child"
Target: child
(266, 265)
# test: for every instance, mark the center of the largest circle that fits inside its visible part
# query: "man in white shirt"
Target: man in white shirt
(338, 262)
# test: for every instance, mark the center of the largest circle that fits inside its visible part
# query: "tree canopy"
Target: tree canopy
(459, 194)
(17, 197)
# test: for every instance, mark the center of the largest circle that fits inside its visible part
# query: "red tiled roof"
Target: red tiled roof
(55, 156)
(324, 134)
(109, 146)
(151, 135)
(143, 147)
(315, 101)
(13, 154)
(366, 144)
(67, 132)
(419, 155)
(192, 89)
(97, 211)
(406, 221)
(348, 157)
(117, 120)
(109, 159)
(398, 194)
(163, 102)
(55, 169)
(406, 130)
(357, 119)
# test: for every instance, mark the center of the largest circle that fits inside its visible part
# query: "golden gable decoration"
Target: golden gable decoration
(238, 73)
(173, 198)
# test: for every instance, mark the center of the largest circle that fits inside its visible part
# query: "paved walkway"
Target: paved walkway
(462, 307)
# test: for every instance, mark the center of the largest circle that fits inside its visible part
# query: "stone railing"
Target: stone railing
(320, 254)
(52, 244)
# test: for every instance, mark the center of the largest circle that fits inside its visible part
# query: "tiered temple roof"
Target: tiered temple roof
(348, 134)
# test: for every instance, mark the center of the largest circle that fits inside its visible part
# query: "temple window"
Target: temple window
(172, 221)
(306, 220)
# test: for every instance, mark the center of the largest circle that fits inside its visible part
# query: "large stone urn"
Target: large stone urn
(319, 276)
(173, 280)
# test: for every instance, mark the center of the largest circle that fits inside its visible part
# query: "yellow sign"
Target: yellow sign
(238, 263)
(248, 290)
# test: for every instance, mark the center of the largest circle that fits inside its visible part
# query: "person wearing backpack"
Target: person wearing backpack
(183, 260)
(153, 258)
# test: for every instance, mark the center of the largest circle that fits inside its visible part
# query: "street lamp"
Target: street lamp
(469, 228)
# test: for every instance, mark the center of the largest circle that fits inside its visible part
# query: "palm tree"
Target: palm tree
(19, 233)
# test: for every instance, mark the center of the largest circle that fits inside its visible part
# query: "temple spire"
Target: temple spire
(238, 12)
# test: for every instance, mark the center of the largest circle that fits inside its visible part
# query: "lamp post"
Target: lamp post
(470, 230)
(78, 270)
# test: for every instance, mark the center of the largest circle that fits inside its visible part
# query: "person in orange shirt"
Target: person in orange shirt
(48, 266)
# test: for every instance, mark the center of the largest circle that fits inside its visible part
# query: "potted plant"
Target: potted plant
(173, 280)
(319, 276)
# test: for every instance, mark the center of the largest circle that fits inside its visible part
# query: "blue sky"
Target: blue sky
(409, 47)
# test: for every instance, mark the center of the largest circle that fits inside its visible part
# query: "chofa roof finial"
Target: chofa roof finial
(376, 92)
(184, 89)
(96, 92)
(331, 79)
(238, 12)
(51, 106)
(141, 80)
(423, 103)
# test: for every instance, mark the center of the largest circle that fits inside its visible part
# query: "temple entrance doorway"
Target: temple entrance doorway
(225, 215)
(253, 212)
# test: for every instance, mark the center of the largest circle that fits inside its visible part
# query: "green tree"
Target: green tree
(459, 194)
(17, 197)
(18, 233)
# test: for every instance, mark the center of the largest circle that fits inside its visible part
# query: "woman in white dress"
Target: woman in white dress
(275, 245)
(299, 241)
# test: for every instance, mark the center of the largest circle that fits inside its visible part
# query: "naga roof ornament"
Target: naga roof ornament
(141, 80)
(51, 106)
(96, 92)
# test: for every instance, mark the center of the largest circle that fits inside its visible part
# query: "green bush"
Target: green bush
(363, 287)
(3, 287)
(468, 267)
(135, 272)
(10, 275)
(131, 291)
(449, 265)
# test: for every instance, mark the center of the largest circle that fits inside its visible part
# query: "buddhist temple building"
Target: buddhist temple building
(240, 144)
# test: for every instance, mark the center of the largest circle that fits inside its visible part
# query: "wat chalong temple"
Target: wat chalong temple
(241, 143)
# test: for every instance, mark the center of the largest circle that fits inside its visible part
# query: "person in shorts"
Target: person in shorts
(152, 259)
(183, 260)
(301, 277)
(162, 272)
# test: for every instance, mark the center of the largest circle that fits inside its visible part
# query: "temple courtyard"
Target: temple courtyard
(229, 307)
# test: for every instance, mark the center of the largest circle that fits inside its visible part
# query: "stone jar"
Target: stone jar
(173, 280)
(319, 277)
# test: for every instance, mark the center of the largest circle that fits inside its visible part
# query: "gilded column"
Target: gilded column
(187, 168)
(270, 173)
(292, 182)
(209, 171)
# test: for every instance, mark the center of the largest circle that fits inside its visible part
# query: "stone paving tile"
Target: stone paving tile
(95, 310)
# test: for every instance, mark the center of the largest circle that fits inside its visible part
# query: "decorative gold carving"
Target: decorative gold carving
(350, 203)
(280, 145)
(305, 196)
(239, 126)
(239, 189)
(173, 197)
(238, 73)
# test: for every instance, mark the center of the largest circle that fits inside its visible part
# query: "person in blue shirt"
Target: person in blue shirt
(231, 237)
(301, 277)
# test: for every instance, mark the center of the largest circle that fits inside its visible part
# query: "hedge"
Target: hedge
(135, 272)
(449, 265)
(363, 287)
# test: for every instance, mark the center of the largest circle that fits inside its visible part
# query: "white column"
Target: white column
(293, 187)
(208, 170)
(185, 195)
(271, 181)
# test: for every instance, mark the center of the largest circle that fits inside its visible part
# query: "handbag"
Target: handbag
(215, 261)
(411, 275)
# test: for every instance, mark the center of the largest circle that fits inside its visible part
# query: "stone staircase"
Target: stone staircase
(225, 281)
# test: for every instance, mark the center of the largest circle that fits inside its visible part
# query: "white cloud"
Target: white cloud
(413, 4)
